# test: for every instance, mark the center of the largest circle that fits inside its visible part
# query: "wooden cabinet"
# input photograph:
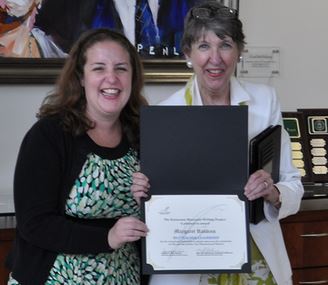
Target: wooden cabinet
(306, 238)
(7, 234)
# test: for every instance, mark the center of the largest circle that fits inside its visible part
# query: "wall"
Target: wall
(295, 26)
(18, 107)
(299, 29)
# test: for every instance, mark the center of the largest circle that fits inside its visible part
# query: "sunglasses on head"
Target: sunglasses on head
(206, 13)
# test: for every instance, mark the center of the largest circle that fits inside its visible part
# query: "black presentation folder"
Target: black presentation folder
(264, 153)
(193, 150)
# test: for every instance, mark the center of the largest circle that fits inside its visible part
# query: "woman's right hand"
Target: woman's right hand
(126, 229)
(140, 186)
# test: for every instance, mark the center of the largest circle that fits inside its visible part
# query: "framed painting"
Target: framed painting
(36, 35)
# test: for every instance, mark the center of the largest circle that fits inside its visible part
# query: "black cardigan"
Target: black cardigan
(48, 162)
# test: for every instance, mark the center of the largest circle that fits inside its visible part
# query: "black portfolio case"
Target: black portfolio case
(264, 153)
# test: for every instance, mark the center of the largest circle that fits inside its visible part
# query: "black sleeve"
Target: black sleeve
(38, 186)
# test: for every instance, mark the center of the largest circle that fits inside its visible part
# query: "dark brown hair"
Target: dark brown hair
(68, 100)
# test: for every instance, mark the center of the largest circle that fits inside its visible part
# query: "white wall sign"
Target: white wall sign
(259, 62)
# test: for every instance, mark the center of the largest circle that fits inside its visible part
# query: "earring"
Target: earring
(189, 64)
(240, 58)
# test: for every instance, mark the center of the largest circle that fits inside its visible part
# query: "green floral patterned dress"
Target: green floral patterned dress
(261, 274)
(102, 190)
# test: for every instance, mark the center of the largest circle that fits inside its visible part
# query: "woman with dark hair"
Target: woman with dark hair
(212, 42)
(77, 219)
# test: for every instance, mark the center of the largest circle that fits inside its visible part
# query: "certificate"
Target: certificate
(196, 158)
(197, 233)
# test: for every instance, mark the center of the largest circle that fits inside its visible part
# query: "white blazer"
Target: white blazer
(263, 110)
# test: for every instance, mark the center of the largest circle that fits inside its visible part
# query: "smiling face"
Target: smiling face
(107, 79)
(214, 61)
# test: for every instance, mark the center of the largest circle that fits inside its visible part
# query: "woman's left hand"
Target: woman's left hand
(260, 184)
(140, 186)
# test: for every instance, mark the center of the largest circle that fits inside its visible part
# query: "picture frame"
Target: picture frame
(45, 71)
(28, 70)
